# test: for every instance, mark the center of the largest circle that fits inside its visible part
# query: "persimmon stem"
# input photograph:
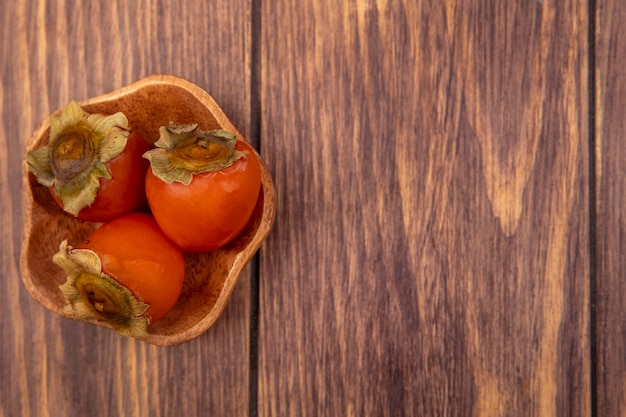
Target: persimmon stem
(72, 154)
(184, 150)
(92, 295)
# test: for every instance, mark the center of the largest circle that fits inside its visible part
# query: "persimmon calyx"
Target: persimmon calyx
(185, 150)
(74, 159)
(91, 294)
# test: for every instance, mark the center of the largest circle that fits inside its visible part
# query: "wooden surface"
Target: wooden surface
(610, 277)
(448, 235)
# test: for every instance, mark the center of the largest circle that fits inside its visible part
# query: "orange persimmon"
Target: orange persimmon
(202, 187)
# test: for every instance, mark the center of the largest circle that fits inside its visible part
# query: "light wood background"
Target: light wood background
(449, 237)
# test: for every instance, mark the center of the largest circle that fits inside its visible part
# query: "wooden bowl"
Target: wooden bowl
(210, 277)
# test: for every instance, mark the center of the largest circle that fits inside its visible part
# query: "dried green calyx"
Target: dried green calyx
(92, 295)
(74, 159)
(184, 150)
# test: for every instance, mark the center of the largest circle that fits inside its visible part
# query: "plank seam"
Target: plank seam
(255, 133)
(593, 292)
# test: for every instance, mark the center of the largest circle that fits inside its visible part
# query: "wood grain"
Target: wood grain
(431, 251)
(55, 51)
(610, 203)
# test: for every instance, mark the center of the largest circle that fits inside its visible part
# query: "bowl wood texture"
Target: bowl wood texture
(210, 277)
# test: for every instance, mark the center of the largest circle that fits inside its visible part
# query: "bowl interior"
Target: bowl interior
(210, 277)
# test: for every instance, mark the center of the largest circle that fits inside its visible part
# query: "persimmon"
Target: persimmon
(92, 164)
(202, 187)
(127, 273)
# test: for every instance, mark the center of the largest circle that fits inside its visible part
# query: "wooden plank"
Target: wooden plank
(55, 51)
(610, 202)
(431, 251)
